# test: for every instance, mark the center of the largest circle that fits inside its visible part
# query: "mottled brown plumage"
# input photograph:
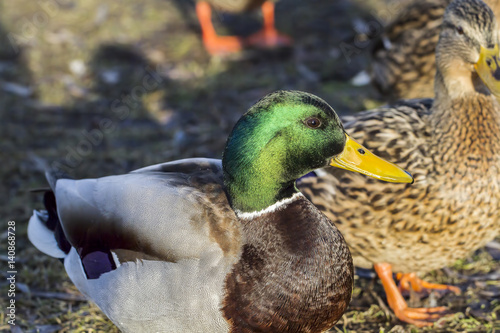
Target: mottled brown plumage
(403, 58)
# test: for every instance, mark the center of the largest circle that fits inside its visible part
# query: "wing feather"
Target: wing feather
(171, 211)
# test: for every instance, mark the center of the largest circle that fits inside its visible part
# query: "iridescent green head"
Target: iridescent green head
(282, 137)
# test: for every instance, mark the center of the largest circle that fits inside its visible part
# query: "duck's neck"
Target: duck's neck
(457, 81)
(254, 187)
(466, 124)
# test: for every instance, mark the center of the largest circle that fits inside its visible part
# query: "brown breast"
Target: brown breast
(295, 273)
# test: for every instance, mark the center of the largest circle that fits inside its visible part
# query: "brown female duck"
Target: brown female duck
(450, 144)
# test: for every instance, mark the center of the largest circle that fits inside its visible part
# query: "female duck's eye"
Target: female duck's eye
(313, 122)
(460, 30)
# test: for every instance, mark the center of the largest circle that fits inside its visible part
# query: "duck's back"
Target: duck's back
(403, 58)
(146, 210)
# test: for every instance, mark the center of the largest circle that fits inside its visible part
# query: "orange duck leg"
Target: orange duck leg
(214, 43)
(417, 316)
(268, 37)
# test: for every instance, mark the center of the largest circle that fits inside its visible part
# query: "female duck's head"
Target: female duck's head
(284, 136)
(467, 51)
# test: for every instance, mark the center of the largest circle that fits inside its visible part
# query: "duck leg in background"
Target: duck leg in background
(417, 316)
(268, 37)
(411, 281)
(214, 43)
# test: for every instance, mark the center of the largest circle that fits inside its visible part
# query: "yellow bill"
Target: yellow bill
(357, 158)
(488, 69)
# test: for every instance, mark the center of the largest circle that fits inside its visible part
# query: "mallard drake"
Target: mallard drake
(203, 245)
(452, 146)
(267, 37)
(403, 63)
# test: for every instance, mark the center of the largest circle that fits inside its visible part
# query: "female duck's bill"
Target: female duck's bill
(357, 158)
(488, 69)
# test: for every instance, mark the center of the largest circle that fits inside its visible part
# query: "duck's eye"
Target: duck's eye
(460, 30)
(313, 122)
(361, 151)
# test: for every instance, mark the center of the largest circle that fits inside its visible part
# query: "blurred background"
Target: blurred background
(99, 87)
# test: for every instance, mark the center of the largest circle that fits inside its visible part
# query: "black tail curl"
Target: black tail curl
(53, 222)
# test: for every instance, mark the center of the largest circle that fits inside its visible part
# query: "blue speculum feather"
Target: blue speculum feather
(97, 263)
(310, 174)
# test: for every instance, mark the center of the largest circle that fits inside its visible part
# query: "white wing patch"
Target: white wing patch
(115, 259)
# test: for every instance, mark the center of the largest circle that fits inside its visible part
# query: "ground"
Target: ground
(100, 87)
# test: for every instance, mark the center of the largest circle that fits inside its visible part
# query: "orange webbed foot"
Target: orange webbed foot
(411, 281)
(213, 43)
(268, 37)
(417, 316)
(420, 316)
(222, 45)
